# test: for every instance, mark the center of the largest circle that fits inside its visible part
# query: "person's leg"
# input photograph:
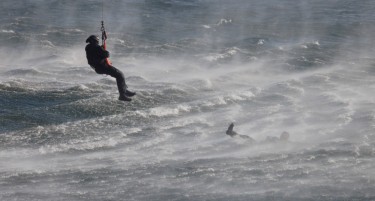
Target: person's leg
(120, 79)
(121, 82)
(114, 72)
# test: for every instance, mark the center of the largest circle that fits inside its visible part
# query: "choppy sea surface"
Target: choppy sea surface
(304, 67)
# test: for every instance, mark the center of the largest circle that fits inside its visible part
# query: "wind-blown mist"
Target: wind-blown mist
(304, 67)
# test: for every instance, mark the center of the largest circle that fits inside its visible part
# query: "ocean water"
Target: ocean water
(305, 67)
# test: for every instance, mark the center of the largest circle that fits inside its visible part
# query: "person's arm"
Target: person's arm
(103, 53)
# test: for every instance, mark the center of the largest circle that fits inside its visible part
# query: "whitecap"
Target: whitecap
(168, 111)
(260, 42)
(79, 87)
(81, 145)
(206, 26)
(47, 43)
(228, 53)
(316, 43)
(7, 31)
(224, 22)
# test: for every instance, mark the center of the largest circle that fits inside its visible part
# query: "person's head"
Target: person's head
(92, 39)
(284, 136)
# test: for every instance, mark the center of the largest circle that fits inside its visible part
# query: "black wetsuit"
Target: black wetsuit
(96, 57)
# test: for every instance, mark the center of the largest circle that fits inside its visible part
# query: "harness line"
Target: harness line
(104, 35)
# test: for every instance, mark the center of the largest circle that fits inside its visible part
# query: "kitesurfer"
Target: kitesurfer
(233, 133)
(97, 59)
(284, 137)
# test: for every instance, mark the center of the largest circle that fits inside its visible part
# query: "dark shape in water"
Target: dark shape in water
(284, 137)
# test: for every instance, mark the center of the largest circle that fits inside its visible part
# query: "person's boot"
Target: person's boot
(129, 93)
(124, 98)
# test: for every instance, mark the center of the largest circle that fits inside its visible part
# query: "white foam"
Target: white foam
(168, 111)
(81, 145)
(47, 43)
(261, 42)
(206, 26)
(7, 31)
(224, 22)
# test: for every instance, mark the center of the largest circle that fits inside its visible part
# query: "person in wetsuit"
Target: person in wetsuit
(96, 57)
(233, 133)
(284, 137)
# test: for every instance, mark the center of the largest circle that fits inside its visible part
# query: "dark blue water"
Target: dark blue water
(305, 67)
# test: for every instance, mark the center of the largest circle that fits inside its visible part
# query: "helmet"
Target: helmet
(92, 39)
